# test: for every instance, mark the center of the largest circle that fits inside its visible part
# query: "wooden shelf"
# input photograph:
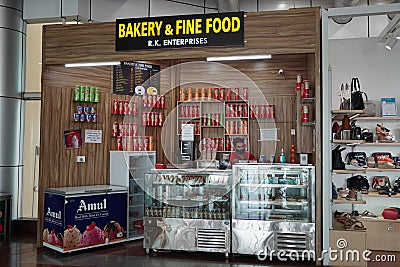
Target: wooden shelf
(345, 201)
(364, 171)
(378, 118)
(307, 100)
(339, 114)
(311, 123)
(380, 144)
(376, 194)
(347, 142)
(348, 171)
(382, 170)
(345, 111)
(378, 219)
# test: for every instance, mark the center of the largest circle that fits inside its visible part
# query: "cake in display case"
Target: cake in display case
(273, 208)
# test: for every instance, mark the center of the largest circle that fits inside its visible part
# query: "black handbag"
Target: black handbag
(357, 96)
(367, 136)
(382, 185)
(337, 162)
(361, 158)
(359, 183)
(355, 132)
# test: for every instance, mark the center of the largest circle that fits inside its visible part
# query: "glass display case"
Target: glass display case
(188, 210)
(273, 208)
(128, 168)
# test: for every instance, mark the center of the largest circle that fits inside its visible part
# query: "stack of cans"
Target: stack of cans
(85, 114)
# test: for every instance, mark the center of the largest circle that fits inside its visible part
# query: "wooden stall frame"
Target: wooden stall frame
(293, 32)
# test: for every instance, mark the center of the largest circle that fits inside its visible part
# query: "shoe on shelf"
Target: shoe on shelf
(367, 213)
(385, 165)
(354, 166)
(352, 196)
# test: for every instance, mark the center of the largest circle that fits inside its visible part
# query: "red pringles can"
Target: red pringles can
(299, 80)
(125, 107)
(306, 89)
(121, 107)
(222, 94)
(115, 107)
(246, 93)
(144, 118)
(216, 93)
(237, 93)
(152, 121)
(130, 108)
(122, 128)
(162, 102)
(228, 94)
(305, 115)
(119, 143)
(160, 119)
(144, 100)
(156, 118)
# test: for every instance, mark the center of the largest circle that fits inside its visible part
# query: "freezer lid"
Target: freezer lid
(88, 189)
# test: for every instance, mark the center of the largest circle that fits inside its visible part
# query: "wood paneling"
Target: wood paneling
(285, 120)
(273, 32)
(257, 75)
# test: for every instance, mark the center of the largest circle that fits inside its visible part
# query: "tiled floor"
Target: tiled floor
(23, 252)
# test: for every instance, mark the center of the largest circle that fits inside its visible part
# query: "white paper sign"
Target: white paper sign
(93, 136)
(187, 132)
(269, 134)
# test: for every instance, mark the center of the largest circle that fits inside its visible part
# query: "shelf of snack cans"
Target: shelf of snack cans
(85, 114)
(125, 107)
(85, 94)
(213, 94)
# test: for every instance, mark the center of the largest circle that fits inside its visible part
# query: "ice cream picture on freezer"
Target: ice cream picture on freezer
(93, 235)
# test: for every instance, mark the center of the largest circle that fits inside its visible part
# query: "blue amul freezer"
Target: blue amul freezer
(77, 218)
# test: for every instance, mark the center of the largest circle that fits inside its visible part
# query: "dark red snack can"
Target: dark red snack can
(121, 105)
(222, 94)
(162, 105)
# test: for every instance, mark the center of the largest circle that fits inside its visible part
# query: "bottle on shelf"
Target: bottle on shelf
(292, 154)
(282, 158)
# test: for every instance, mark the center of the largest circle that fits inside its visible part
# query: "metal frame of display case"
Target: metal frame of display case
(277, 209)
(188, 211)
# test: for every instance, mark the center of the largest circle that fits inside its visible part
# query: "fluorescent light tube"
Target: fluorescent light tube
(92, 64)
(250, 57)
(390, 43)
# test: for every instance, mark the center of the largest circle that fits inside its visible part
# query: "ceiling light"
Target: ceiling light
(92, 64)
(250, 57)
(396, 33)
(390, 43)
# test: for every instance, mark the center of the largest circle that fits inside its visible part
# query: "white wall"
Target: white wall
(378, 71)
(365, 58)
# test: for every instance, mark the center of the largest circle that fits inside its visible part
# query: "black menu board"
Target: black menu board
(136, 78)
